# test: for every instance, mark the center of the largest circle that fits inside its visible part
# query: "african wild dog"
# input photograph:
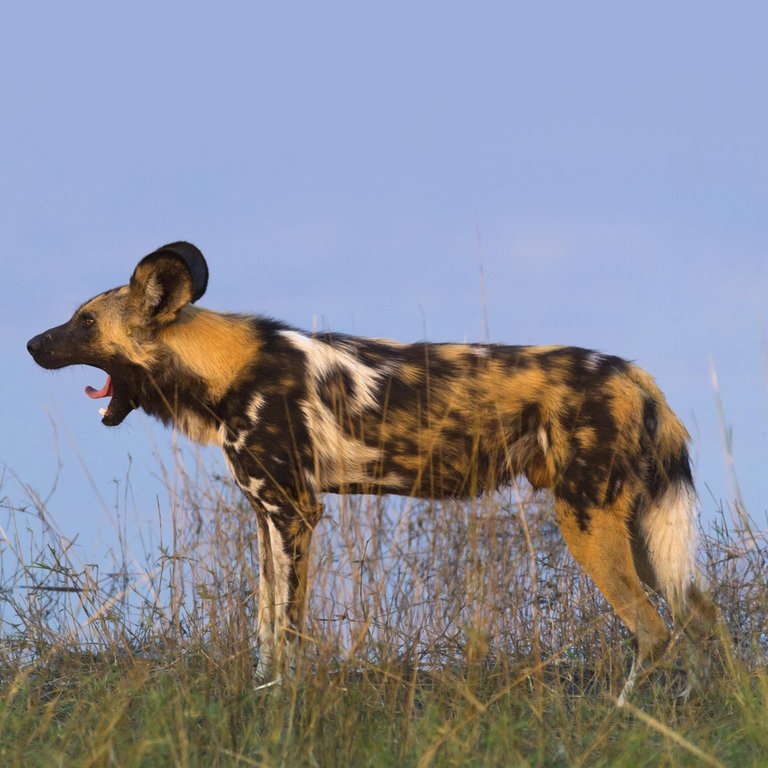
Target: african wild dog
(300, 414)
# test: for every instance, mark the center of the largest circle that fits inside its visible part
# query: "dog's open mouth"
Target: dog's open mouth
(105, 391)
(117, 408)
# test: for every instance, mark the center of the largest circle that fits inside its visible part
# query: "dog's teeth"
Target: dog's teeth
(103, 411)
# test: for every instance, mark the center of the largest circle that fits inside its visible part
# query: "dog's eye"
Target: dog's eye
(88, 320)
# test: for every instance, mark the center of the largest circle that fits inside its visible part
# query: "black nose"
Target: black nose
(34, 344)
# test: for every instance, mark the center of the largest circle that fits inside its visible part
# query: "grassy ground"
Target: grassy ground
(440, 635)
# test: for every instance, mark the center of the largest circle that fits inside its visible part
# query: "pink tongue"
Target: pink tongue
(105, 391)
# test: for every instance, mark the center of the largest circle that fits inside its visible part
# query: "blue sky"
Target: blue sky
(350, 166)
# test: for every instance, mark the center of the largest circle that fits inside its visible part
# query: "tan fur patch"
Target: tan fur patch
(215, 347)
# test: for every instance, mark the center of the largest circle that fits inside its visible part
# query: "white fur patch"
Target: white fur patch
(323, 359)
(239, 442)
(282, 565)
(593, 361)
(281, 562)
(255, 484)
(340, 459)
(669, 531)
(252, 411)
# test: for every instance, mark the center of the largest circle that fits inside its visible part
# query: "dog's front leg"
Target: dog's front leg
(285, 533)
(265, 667)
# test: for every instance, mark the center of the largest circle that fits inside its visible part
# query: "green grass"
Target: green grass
(135, 712)
(439, 635)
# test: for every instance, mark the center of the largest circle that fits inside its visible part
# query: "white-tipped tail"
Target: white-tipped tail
(668, 528)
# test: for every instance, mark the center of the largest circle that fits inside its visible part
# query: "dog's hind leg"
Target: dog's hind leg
(600, 543)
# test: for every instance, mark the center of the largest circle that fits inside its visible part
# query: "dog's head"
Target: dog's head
(115, 330)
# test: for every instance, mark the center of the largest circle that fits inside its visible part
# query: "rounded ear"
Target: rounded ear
(191, 256)
(168, 279)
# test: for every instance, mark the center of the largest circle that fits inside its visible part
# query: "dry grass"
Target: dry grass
(439, 634)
